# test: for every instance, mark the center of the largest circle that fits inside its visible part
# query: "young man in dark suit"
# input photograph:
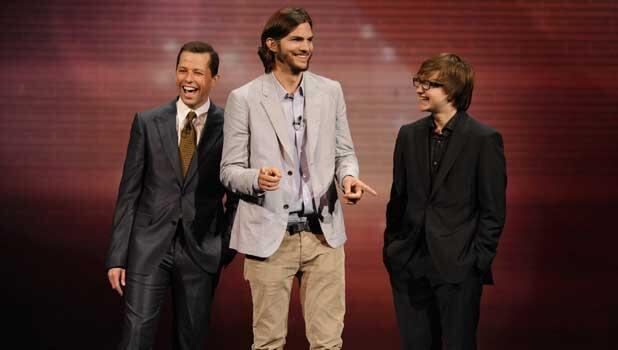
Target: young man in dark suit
(170, 229)
(446, 211)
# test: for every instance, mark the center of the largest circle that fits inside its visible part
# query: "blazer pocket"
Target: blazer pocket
(142, 220)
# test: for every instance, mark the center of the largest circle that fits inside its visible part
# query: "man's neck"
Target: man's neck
(195, 108)
(287, 79)
(441, 118)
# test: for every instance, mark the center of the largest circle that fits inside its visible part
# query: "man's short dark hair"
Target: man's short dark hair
(456, 75)
(279, 25)
(201, 47)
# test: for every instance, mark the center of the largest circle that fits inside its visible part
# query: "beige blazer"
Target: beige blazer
(256, 135)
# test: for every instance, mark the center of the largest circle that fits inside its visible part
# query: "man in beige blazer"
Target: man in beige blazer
(286, 146)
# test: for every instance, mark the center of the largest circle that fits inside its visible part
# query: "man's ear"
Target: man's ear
(272, 45)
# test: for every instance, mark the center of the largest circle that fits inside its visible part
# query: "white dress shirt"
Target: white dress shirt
(181, 115)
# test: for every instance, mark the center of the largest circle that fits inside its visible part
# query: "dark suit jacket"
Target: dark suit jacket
(153, 197)
(462, 214)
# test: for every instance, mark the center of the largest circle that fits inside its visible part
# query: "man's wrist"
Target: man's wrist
(343, 179)
(256, 185)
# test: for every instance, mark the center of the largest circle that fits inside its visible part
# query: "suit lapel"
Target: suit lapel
(313, 104)
(207, 141)
(422, 153)
(272, 105)
(455, 145)
(166, 124)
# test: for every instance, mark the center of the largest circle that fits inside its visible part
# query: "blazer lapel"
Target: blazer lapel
(455, 145)
(272, 106)
(207, 141)
(166, 123)
(313, 103)
(422, 153)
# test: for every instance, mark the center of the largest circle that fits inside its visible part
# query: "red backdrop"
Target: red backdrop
(75, 72)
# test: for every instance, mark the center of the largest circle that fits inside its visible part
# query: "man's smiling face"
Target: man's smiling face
(295, 49)
(434, 99)
(194, 78)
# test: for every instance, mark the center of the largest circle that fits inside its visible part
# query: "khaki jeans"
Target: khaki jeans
(321, 272)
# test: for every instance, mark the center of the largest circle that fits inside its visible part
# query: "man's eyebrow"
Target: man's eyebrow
(301, 37)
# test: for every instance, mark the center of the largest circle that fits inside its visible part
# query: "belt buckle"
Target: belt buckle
(297, 227)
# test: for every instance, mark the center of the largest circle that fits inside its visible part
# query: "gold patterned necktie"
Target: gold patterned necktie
(188, 138)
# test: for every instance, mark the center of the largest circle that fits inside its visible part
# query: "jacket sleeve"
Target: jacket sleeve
(129, 192)
(235, 173)
(346, 162)
(491, 186)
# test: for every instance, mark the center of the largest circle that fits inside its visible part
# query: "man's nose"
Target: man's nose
(305, 45)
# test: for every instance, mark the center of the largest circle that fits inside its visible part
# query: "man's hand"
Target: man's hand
(116, 277)
(268, 180)
(354, 188)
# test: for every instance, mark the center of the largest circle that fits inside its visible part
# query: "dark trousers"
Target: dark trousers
(192, 295)
(430, 311)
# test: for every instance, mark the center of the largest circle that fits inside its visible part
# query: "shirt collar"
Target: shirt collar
(183, 109)
(281, 91)
(448, 128)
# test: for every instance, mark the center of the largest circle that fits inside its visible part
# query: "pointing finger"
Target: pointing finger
(369, 189)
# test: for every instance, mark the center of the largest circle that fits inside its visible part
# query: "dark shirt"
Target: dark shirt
(438, 143)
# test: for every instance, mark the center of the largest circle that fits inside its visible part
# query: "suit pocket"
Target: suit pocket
(142, 220)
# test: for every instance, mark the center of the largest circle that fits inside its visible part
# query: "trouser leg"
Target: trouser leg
(322, 291)
(143, 296)
(459, 306)
(417, 312)
(192, 294)
(271, 282)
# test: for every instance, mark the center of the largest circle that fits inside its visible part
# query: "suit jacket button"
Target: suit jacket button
(290, 172)
(285, 206)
